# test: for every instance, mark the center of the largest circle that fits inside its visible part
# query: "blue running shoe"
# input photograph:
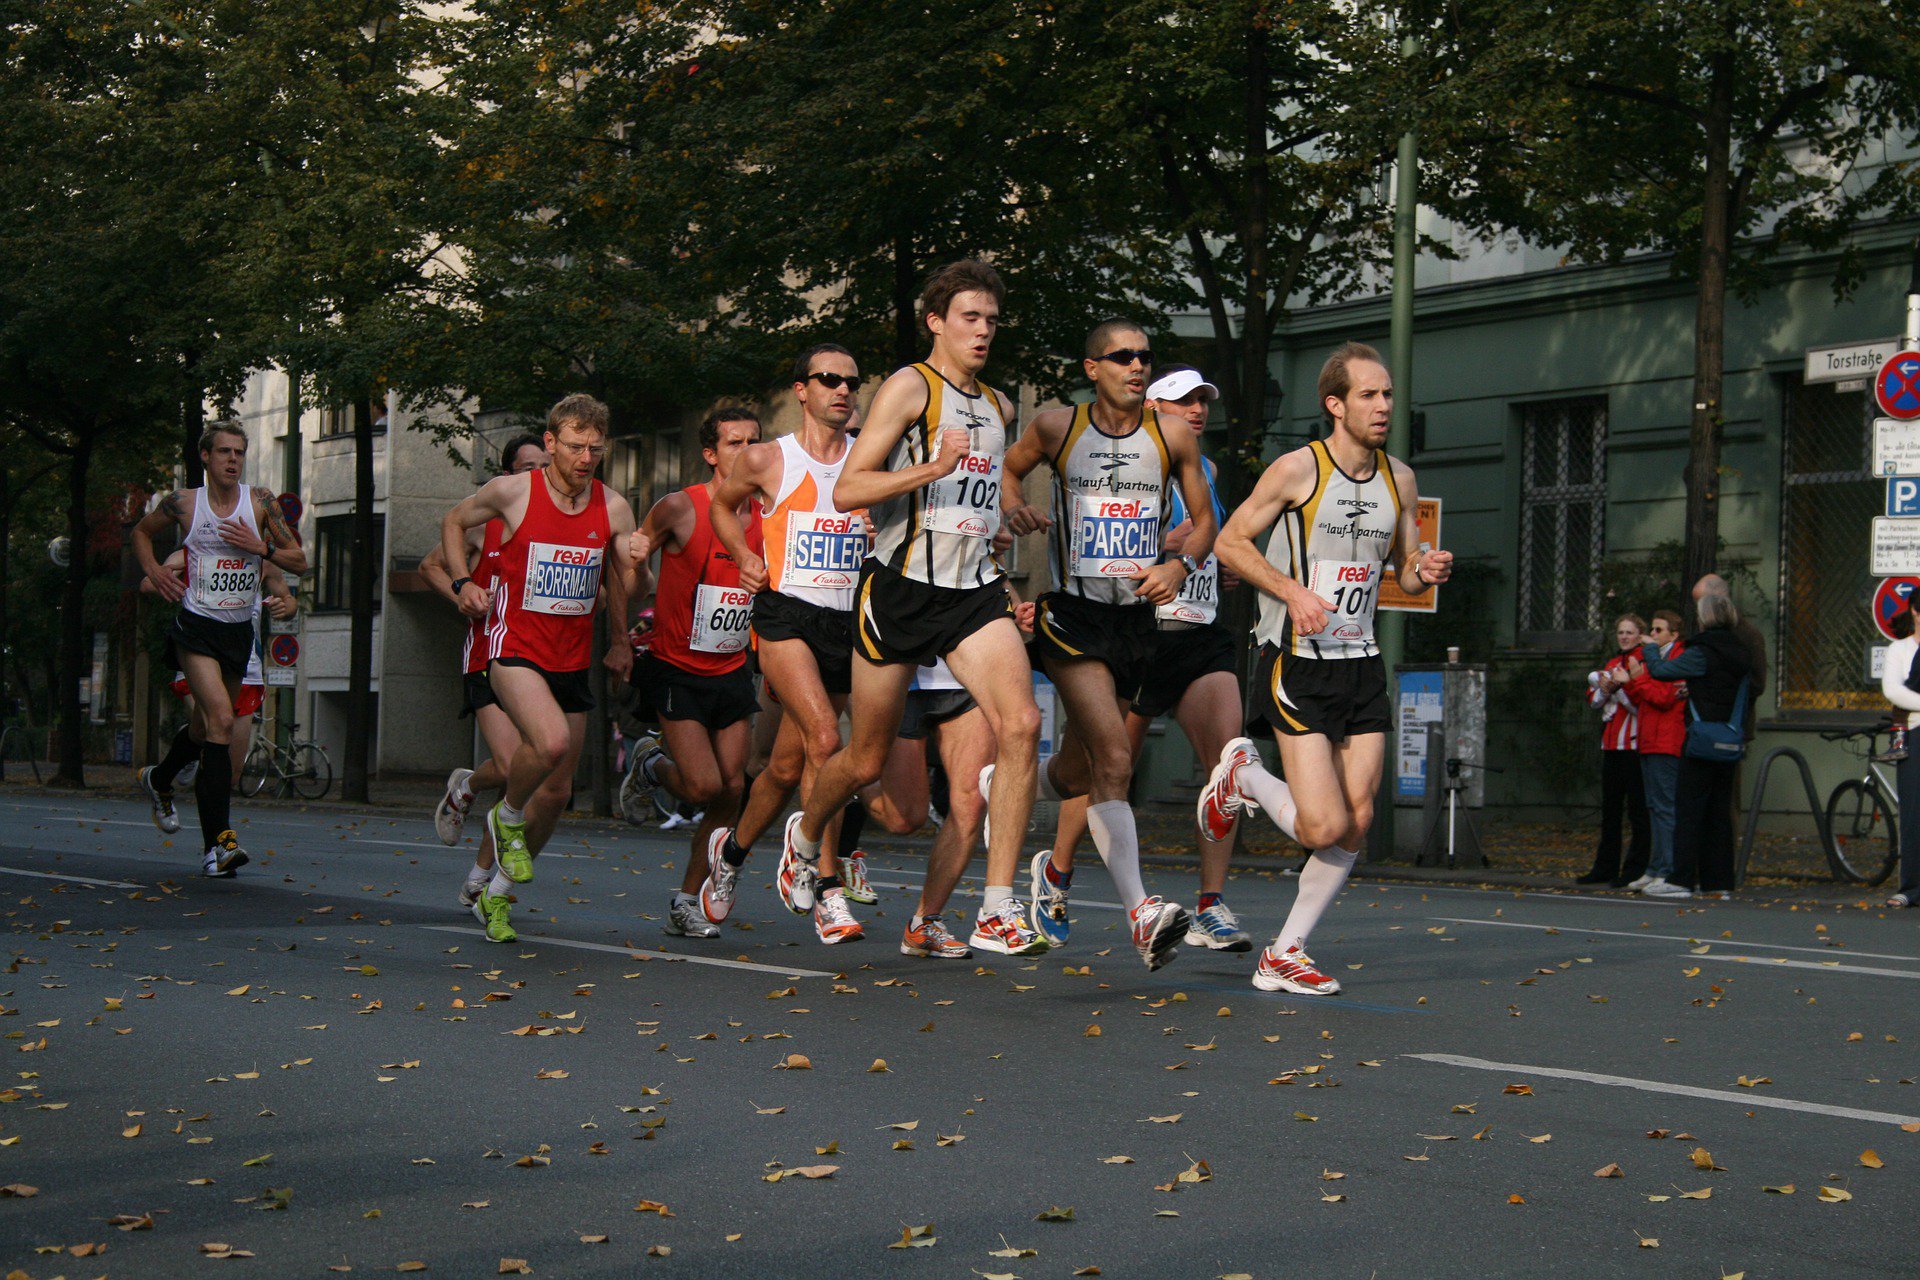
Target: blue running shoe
(1049, 909)
(1217, 929)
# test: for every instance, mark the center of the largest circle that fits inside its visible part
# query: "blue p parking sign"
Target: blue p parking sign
(1903, 495)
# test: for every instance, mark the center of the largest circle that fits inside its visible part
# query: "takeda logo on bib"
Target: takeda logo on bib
(1348, 631)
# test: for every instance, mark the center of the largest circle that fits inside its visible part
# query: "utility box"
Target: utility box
(1454, 696)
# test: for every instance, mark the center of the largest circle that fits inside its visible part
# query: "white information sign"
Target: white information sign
(1848, 360)
(1896, 447)
(1876, 661)
(1896, 548)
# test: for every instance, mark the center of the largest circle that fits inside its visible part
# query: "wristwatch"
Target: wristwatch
(1192, 568)
(459, 584)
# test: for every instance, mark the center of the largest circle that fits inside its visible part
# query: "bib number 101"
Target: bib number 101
(1354, 599)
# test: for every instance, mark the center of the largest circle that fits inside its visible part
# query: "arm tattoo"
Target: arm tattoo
(170, 506)
(276, 523)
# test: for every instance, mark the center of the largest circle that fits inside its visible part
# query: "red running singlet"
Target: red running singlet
(473, 654)
(700, 612)
(549, 582)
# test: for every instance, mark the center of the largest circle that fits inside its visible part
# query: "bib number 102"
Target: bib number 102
(976, 492)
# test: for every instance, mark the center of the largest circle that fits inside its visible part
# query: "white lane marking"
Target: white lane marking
(1676, 937)
(965, 892)
(435, 844)
(110, 822)
(48, 875)
(643, 953)
(1570, 896)
(1661, 1086)
(1830, 967)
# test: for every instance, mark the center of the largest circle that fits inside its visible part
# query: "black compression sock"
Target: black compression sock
(731, 853)
(852, 823)
(213, 792)
(179, 752)
(825, 883)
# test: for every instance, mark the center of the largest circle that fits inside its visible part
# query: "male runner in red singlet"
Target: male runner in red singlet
(697, 666)
(522, 454)
(802, 624)
(229, 530)
(560, 528)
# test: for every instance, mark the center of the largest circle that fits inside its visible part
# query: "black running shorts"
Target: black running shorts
(1069, 629)
(898, 619)
(228, 643)
(930, 708)
(712, 701)
(570, 688)
(478, 693)
(828, 632)
(1338, 698)
(1175, 659)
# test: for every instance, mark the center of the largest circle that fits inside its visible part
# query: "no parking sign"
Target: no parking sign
(1890, 598)
(1896, 388)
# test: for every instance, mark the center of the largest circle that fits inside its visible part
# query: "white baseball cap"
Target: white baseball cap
(1179, 384)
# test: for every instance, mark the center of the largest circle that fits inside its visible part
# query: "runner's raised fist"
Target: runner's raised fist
(954, 446)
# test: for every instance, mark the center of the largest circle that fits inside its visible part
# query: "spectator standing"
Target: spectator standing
(1718, 666)
(1894, 683)
(1662, 705)
(1621, 788)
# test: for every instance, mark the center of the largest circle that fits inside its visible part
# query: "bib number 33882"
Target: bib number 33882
(1351, 588)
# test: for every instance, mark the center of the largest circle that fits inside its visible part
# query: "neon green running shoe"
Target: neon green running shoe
(510, 846)
(492, 910)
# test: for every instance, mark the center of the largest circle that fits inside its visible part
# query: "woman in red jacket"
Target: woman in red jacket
(1662, 705)
(1620, 781)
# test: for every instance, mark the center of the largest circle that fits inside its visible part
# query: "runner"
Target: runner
(697, 667)
(212, 636)
(1113, 468)
(927, 466)
(158, 780)
(1346, 511)
(522, 455)
(560, 528)
(1189, 673)
(802, 624)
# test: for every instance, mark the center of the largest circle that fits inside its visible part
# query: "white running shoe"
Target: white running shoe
(451, 813)
(833, 919)
(723, 878)
(1158, 927)
(1221, 801)
(795, 876)
(635, 790)
(164, 816)
(471, 889)
(1007, 931)
(685, 919)
(1664, 889)
(1294, 971)
(986, 808)
(1637, 885)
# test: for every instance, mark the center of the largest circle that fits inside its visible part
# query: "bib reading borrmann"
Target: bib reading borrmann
(720, 619)
(824, 549)
(1199, 598)
(561, 580)
(966, 502)
(223, 582)
(1351, 588)
(1114, 537)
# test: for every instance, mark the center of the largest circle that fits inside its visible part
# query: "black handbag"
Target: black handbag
(1722, 741)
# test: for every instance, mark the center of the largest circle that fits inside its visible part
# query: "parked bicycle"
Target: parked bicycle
(302, 766)
(1863, 814)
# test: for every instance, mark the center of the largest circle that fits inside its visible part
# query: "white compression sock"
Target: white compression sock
(1271, 794)
(477, 873)
(992, 896)
(499, 886)
(1320, 881)
(1043, 785)
(1118, 840)
(809, 850)
(510, 815)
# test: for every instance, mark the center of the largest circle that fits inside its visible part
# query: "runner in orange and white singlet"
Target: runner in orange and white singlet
(522, 454)
(696, 670)
(803, 630)
(563, 535)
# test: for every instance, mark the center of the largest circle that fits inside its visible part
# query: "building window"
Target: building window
(1563, 493)
(337, 420)
(333, 561)
(1828, 499)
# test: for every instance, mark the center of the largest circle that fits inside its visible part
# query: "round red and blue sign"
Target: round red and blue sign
(1890, 598)
(285, 650)
(1896, 388)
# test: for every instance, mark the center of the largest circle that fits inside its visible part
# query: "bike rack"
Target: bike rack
(1753, 810)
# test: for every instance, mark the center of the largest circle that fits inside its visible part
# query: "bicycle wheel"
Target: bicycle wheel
(311, 773)
(1865, 838)
(256, 768)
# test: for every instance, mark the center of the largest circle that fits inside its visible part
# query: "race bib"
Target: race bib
(224, 582)
(720, 618)
(1114, 537)
(967, 502)
(1351, 588)
(561, 580)
(824, 549)
(1199, 599)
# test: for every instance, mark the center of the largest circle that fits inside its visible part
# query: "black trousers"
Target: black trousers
(1703, 825)
(1622, 788)
(1907, 780)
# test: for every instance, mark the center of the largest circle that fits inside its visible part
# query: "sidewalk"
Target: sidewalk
(1523, 855)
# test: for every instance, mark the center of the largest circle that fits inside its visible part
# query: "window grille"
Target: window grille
(1828, 499)
(1563, 492)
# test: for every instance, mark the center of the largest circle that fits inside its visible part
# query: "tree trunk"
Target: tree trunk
(907, 343)
(1709, 333)
(6, 575)
(75, 660)
(192, 423)
(1246, 423)
(362, 582)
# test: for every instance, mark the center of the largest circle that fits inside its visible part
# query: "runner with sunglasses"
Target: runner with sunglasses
(1343, 515)
(802, 625)
(697, 665)
(1113, 469)
(1189, 674)
(927, 465)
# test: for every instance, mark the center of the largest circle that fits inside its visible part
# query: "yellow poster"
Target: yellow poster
(1391, 596)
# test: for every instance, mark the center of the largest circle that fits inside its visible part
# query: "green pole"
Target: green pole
(1392, 624)
(283, 708)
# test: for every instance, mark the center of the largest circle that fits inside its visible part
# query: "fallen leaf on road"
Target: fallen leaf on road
(1609, 1171)
(795, 1062)
(1703, 1160)
(1704, 1193)
(514, 1267)
(1116, 1160)
(1545, 1137)
(1834, 1195)
(1523, 1090)
(653, 1206)
(1649, 1242)
(1871, 1159)
(1784, 1189)
(879, 1064)
(1055, 1214)
(915, 1238)
(1516, 1198)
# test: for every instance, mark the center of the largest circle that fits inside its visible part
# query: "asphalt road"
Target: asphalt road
(317, 1064)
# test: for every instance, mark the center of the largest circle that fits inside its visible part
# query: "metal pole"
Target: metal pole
(283, 703)
(1391, 625)
(1913, 302)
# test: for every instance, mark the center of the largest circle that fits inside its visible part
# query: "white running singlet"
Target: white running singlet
(942, 535)
(1109, 505)
(814, 549)
(223, 582)
(1336, 543)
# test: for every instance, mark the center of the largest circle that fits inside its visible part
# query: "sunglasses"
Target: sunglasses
(1125, 356)
(835, 381)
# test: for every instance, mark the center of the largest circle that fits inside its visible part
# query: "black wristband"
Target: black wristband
(459, 584)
